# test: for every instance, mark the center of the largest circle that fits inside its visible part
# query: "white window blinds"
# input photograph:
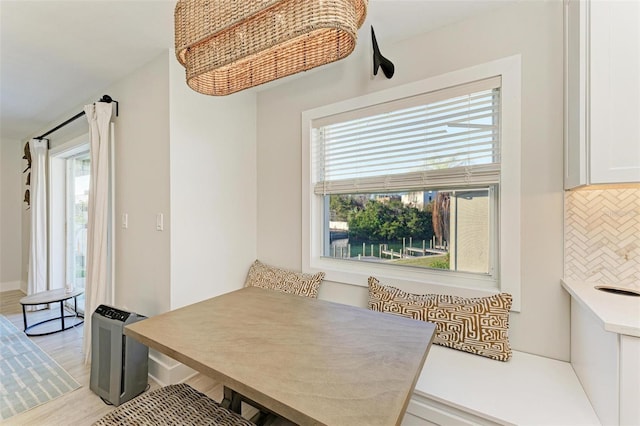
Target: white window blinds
(447, 138)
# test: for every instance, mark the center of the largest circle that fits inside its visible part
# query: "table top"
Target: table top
(50, 296)
(309, 360)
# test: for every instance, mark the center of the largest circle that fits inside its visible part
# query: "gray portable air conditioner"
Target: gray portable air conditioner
(119, 364)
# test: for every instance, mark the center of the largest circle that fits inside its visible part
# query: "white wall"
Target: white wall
(11, 208)
(191, 158)
(177, 153)
(532, 29)
(213, 190)
(142, 279)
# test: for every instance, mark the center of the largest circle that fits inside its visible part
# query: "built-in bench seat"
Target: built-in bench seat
(458, 388)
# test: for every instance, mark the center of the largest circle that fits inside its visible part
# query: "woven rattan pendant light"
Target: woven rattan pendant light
(230, 45)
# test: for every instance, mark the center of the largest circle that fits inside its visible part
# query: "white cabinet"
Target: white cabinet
(602, 92)
(629, 380)
(608, 366)
(594, 357)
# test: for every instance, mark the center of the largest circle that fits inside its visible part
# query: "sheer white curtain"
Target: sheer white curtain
(97, 286)
(37, 274)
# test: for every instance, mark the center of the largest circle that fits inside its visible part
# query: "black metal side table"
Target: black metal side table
(52, 296)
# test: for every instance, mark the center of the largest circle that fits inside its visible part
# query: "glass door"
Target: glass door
(78, 181)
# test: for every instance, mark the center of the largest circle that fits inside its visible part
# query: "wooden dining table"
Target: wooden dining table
(310, 361)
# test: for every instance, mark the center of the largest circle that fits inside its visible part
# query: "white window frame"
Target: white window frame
(508, 278)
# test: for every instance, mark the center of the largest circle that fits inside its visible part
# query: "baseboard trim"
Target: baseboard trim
(10, 285)
(165, 374)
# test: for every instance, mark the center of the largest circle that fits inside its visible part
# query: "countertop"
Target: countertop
(617, 313)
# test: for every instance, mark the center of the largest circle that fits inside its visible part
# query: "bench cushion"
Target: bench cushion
(272, 278)
(172, 405)
(527, 390)
(478, 325)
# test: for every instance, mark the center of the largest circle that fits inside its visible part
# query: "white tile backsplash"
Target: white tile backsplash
(602, 236)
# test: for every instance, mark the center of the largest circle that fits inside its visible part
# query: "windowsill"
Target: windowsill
(413, 280)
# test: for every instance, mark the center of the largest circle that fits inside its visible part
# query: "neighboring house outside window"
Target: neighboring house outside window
(413, 183)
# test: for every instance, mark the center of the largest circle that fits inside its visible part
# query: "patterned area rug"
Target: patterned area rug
(28, 376)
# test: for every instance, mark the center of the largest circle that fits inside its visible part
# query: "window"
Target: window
(435, 229)
(413, 183)
(424, 169)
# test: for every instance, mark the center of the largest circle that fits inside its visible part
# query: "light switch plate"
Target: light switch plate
(159, 222)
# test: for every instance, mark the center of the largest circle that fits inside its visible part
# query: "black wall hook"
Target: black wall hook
(380, 61)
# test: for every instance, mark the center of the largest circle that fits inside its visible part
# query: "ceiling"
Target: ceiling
(56, 55)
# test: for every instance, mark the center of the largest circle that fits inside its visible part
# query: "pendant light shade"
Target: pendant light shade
(230, 45)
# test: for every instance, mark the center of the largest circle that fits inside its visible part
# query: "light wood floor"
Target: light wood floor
(82, 406)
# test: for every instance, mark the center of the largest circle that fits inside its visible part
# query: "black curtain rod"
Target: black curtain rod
(105, 98)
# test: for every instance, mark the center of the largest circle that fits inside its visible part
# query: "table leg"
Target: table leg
(62, 313)
(24, 317)
(232, 400)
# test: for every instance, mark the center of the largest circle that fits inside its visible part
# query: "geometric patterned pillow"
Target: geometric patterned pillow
(272, 278)
(478, 325)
